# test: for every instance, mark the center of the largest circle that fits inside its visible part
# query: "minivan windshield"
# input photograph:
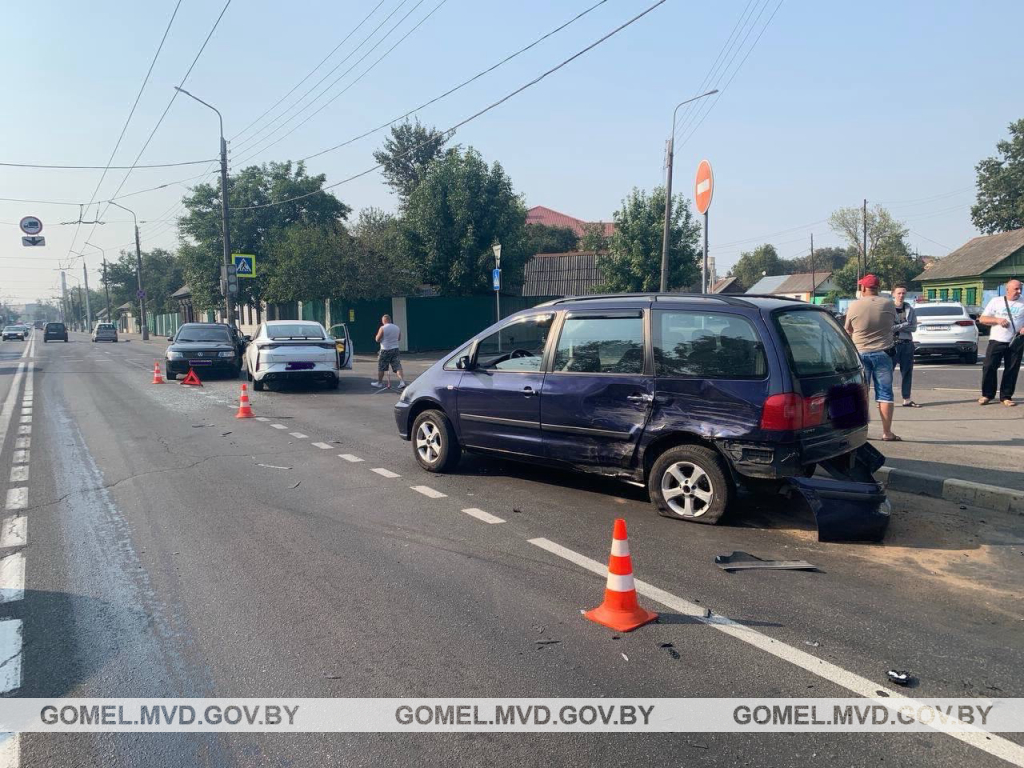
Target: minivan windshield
(817, 345)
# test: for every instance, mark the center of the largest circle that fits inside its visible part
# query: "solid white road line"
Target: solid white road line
(17, 498)
(386, 473)
(321, 446)
(298, 435)
(19, 473)
(12, 533)
(10, 654)
(986, 742)
(429, 492)
(486, 517)
(10, 750)
(349, 457)
(12, 578)
(20, 457)
(279, 426)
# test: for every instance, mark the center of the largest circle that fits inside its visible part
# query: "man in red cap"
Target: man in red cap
(869, 320)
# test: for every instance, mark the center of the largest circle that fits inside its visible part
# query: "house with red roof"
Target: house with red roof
(551, 218)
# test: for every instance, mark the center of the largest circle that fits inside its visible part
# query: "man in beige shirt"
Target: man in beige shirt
(870, 320)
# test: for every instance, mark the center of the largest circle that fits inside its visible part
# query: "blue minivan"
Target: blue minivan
(690, 395)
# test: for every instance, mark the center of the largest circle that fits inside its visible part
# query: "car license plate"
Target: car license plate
(938, 327)
(200, 362)
(299, 366)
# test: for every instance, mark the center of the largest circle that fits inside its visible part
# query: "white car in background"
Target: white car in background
(945, 329)
(291, 350)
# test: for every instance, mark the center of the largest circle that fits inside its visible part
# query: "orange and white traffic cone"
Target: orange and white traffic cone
(157, 378)
(244, 409)
(620, 610)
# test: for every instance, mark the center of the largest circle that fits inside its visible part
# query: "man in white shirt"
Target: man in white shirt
(388, 336)
(1005, 314)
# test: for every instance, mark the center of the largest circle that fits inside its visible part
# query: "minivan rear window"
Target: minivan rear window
(816, 344)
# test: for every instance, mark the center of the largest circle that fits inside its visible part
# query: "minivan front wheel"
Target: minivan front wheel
(434, 442)
(688, 482)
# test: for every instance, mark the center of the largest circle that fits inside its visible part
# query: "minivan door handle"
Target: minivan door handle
(528, 391)
(640, 397)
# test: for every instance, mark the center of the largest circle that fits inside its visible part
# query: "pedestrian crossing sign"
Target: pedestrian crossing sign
(245, 264)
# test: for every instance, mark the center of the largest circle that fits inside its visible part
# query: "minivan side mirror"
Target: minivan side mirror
(463, 363)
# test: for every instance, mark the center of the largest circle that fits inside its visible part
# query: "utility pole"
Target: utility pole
(669, 156)
(813, 282)
(865, 238)
(63, 297)
(138, 272)
(88, 307)
(106, 289)
(229, 303)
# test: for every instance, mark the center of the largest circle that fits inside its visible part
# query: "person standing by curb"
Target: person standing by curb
(870, 321)
(906, 324)
(388, 336)
(1005, 314)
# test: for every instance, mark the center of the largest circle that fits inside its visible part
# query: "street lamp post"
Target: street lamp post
(228, 302)
(88, 306)
(106, 288)
(138, 271)
(669, 156)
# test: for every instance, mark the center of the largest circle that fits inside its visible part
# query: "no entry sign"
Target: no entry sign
(704, 187)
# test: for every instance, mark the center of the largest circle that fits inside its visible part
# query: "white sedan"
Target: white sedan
(291, 350)
(945, 329)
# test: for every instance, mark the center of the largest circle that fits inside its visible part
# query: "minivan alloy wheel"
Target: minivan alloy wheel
(428, 442)
(687, 489)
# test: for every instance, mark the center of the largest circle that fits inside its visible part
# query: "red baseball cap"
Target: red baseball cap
(868, 281)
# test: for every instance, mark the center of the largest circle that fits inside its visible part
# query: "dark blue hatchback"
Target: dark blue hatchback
(689, 395)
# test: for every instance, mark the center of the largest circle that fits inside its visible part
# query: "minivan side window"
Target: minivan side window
(516, 346)
(601, 345)
(816, 344)
(707, 345)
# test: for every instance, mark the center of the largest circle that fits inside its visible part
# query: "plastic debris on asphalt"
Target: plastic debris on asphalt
(741, 561)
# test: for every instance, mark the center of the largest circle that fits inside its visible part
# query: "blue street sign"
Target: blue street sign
(496, 279)
(245, 264)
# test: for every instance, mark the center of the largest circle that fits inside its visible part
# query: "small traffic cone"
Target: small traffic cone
(620, 610)
(157, 378)
(244, 409)
(191, 380)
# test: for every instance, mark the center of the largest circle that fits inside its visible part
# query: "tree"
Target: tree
(162, 275)
(753, 265)
(312, 263)
(383, 256)
(541, 238)
(828, 259)
(253, 229)
(1000, 205)
(594, 238)
(633, 260)
(407, 154)
(891, 262)
(453, 217)
(848, 223)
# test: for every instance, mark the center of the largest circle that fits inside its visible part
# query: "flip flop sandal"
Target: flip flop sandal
(984, 400)
(1009, 403)
(893, 439)
(911, 404)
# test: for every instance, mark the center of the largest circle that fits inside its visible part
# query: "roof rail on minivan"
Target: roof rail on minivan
(725, 298)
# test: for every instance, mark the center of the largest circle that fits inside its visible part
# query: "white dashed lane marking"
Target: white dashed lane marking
(19, 473)
(486, 517)
(24, 429)
(349, 457)
(298, 435)
(279, 426)
(13, 534)
(262, 418)
(10, 672)
(386, 473)
(20, 457)
(321, 446)
(17, 498)
(12, 578)
(429, 492)
(22, 443)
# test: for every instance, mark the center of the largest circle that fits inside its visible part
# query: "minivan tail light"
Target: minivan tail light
(965, 323)
(789, 412)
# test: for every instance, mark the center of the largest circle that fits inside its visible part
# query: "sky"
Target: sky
(825, 105)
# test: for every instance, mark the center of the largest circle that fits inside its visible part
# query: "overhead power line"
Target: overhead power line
(472, 117)
(105, 167)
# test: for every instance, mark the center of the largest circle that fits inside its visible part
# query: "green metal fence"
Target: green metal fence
(444, 322)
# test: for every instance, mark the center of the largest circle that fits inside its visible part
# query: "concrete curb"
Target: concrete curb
(991, 497)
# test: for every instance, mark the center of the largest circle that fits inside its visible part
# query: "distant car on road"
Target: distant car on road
(55, 332)
(291, 350)
(105, 332)
(14, 332)
(690, 395)
(945, 329)
(206, 347)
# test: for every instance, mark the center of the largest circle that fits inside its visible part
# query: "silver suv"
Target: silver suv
(104, 332)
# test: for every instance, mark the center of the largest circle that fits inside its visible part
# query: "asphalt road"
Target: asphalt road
(172, 550)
